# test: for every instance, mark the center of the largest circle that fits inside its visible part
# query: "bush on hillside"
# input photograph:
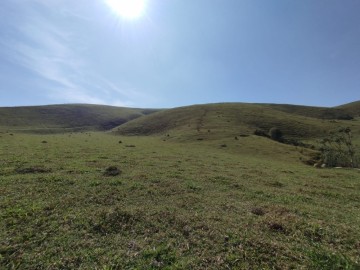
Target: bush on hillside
(337, 150)
(275, 134)
(296, 142)
(345, 117)
(260, 132)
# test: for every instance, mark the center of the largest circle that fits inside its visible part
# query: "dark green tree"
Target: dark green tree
(338, 149)
(275, 134)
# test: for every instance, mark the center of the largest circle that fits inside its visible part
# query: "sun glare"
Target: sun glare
(128, 9)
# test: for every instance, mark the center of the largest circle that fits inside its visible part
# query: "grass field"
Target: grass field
(178, 203)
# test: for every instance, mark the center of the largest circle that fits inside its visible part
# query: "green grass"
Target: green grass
(179, 203)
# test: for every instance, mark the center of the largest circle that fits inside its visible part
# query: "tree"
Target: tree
(275, 134)
(338, 149)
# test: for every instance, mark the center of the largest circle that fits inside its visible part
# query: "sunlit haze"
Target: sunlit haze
(169, 53)
(130, 9)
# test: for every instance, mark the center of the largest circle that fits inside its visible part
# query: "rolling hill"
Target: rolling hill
(315, 112)
(352, 108)
(232, 119)
(191, 122)
(72, 117)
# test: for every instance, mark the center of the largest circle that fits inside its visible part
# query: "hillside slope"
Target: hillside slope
(233, 119)
(197, 121)
(314, 112)
(72, 117)
(352, 108)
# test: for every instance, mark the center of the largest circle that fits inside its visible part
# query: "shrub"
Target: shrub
(338, 149)
(275, 134)
(260, 132)
(345, 117)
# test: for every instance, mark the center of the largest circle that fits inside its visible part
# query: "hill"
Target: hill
(315, 112)
(232, 119)
(352, 108)
(191, 122)
(72, 117)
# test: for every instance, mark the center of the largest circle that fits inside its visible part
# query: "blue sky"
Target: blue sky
(180, 52)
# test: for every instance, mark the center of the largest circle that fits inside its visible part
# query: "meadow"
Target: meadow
(205, 203)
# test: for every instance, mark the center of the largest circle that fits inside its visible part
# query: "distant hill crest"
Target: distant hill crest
(294, 120)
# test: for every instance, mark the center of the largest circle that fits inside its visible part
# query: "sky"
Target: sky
(180, 52)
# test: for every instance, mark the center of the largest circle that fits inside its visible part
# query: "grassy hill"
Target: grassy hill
(314, 112)
(208, 120)
(234, 119)
(194, 189)
(352, 108)
(60, 118)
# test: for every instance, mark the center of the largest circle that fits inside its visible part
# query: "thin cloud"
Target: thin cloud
(127, 91)
(47, 51)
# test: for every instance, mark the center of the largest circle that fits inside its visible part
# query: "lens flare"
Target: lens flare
(128, 9)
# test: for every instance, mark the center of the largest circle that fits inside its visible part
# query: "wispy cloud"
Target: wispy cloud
(48, 51)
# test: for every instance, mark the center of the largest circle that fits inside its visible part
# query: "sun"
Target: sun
(128, 9)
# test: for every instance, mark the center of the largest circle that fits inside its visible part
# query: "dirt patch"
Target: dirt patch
(258, 211)
(35, 169)
(112, 171)
(277, 227)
